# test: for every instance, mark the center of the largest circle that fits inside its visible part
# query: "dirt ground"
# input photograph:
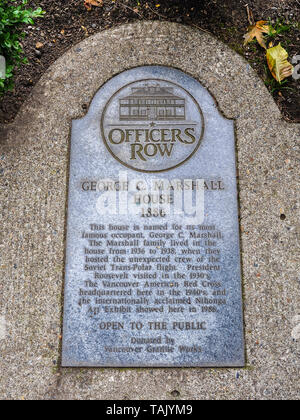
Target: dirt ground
(67, 22)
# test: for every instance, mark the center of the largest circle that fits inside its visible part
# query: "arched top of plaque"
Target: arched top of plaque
(152, 119)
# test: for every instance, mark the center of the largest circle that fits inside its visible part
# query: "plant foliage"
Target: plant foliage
(12, 17)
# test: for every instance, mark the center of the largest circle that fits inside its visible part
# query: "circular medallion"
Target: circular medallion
(152, 125)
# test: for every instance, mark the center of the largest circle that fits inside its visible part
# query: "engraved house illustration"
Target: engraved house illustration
(149, 102)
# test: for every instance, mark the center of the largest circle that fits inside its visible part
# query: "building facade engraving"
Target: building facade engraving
(152, 125)
(152, 102)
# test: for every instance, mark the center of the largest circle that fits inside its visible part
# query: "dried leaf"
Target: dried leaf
(84, 29)
(257, 31)
(89, 3)
(278, 63)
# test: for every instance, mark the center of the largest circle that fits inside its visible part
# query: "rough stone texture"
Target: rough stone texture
(34, 168)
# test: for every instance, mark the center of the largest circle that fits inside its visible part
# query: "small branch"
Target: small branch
(156, 13)
(200, 29)
(166, 18)
(130, 8)
(250, 15)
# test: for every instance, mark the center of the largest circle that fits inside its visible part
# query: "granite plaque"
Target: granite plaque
(153, 274)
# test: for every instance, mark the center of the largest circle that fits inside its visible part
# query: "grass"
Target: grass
(273, 85)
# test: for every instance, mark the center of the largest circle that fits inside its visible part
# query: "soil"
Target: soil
(67, 22)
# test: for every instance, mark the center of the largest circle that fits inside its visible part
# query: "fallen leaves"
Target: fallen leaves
(279, 66)
(89, 3)
(85, 30)
(257, 31)
(277, 57)
(39, 45)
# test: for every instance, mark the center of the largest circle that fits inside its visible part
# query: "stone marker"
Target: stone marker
(153, 263)
(34, 172)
